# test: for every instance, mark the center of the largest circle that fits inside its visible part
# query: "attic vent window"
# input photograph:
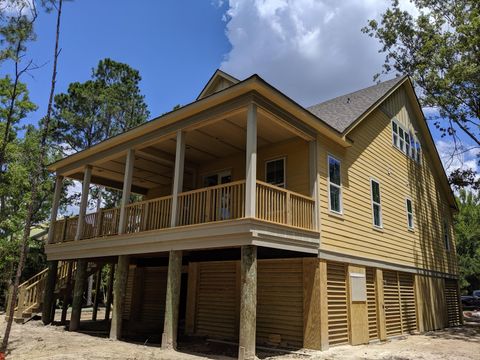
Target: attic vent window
(405, 141)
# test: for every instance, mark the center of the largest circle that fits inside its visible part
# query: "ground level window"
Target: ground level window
(275, 172)
(376, 204)
(409, 214)
(334, 185)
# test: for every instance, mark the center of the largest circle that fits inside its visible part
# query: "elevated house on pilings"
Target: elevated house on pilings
(264, 222)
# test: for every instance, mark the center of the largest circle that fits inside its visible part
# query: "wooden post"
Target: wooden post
(191, 298)
(55, 204)
(83, 202)
(80, 278)
(21, 302)
(98, 223)
(119, 287)
(49, 291)
(324, 343)
(251, 161)
(248, 303)
(178, 176)
(382, 330)
(48, 308)
(311, 304)
(313, 147)
(108, 305)
(98, 280)
(64, 228)
(174, 277)
(68, 292)
(127, 186)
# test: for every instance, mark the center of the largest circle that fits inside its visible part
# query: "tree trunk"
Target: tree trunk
(34, 185)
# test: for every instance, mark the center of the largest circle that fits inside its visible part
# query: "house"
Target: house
(264, 222)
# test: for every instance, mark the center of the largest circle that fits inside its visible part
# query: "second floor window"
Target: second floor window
(405, 141)
(409, 214)
(275, 172)
(334, 185)
(376, 204)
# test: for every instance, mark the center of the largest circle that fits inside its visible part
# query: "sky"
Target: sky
(312, 50)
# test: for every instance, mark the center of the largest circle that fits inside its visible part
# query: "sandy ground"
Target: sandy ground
(35, 341)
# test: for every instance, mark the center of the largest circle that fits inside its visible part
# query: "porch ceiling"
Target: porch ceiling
(154, 163)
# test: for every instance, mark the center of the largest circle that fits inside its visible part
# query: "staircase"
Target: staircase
(30, 293)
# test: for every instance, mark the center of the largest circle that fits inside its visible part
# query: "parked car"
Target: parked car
(470, 302)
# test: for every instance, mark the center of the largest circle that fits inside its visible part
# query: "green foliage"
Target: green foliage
(108, 104)
(440, 50)
(467, 236)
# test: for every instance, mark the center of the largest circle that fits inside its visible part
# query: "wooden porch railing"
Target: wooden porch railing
(216, 203)
(283, 206)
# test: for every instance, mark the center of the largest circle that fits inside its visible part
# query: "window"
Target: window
(334, 185)
(275, 172)
(405, 141)
(446, 236)
(409, 214)
(376, 205)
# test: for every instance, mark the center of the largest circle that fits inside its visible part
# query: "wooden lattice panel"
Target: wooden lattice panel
(451, 297)
(372, 304)
(337, 304)
(127, 304)
(391, 291)
(407, 299)
(280, 302)
(152, 305)
(217, 300)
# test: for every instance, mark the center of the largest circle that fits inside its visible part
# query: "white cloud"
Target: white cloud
(310, 49)
(463, 157)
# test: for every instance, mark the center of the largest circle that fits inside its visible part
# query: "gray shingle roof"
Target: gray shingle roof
(342, 111)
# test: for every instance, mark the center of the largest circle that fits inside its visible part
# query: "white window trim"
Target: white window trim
(329, 156)
(446, 235)
(375, 203)
(284, 158)
(412, 153)
(413, 214)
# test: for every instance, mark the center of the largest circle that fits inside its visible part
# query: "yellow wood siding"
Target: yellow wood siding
(372, 155)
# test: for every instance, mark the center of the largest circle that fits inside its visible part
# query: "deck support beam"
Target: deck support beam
(67, 293)
(98, 280)
(79, 289)
(121, 274)
(324, 342)
(81, 272)
(119, 289)
(313, 156)
(248, 302)
(251, 161)
(48, 311)
(108, 305)
(174, 276)
(172, 301)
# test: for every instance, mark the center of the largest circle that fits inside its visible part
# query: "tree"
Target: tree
(108, 104)
(467, 233)
(440, 49)
(36, 178)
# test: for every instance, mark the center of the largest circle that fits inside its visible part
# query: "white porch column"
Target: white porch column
(251, 161)
(174, 276)
(127, 188)
(87, 175)
(55, 204)
(313, 156)
(178, 176)
(121, 270)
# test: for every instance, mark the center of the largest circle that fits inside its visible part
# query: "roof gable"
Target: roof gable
(220, 80)
(343, 111)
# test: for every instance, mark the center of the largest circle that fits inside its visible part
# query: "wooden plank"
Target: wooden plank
(311, 304)
(191, 298)
(358, 311)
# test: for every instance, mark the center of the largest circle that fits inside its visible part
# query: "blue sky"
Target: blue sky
(312, 50)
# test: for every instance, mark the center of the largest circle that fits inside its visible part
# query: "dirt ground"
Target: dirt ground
(35, 341)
